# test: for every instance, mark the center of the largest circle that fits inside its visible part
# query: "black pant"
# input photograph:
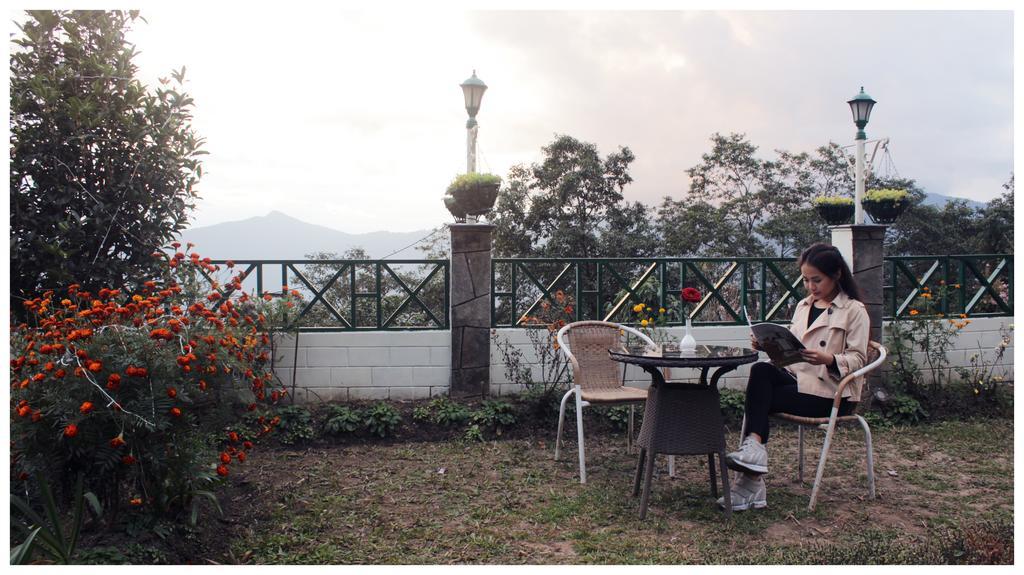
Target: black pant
(771, 390)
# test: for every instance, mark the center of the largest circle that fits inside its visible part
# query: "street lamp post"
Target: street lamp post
(860, 106)
(473, 90)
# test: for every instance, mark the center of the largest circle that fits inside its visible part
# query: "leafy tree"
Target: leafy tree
(103, 170)
(572, 191)
(631, 231)
(694, 228)
(735, 181)
(996, 226)
(512, 238)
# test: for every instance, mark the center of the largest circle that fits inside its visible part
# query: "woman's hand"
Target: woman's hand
(815, 357)
(753, 343)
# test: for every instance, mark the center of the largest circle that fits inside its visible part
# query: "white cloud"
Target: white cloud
(354, 120)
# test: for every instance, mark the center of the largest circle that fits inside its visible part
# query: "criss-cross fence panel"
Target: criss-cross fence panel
(974, 285)
(525, 291)
(341, 295)
(535, 291)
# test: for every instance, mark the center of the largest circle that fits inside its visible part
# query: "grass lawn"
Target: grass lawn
(945, 495)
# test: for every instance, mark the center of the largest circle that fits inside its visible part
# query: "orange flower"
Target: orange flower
(135, 501)
(71, 430)
(914, 312)
(117, 442)
(172, 393)
(24, 411)
(232, 436)
(85, 408)
(225, 458)
(128, 459)
(114, 382)
(202, 385)
(247, 445)
(95, 367)
(36, 416)
(222, 470)
(240, 457)
(176, 412)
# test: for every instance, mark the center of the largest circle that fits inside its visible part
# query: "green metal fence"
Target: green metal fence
(348, 295)
(976, 285)
(536, 291)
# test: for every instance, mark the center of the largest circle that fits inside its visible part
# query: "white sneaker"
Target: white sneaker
(746, 493)
(751, 457)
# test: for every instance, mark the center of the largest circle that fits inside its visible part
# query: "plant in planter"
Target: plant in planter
(835, 210)
(886, 205)
(472, 195)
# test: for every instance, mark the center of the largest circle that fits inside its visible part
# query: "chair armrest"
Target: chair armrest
(860, 372)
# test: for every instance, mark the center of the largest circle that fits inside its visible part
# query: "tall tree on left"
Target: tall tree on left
(103, 168)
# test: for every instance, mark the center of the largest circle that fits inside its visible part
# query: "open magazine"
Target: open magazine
(782, 347)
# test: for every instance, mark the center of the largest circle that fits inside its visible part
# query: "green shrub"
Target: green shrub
(295, 426)
(494, 415)
(382, 419)
(448, 413)
(903, 409)
(732, 403)
(618, 416)
(341, 419)
(473, 433)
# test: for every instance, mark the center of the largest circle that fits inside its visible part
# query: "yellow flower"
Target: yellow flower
(914, 312)
(661, 310)
(638, 308)
(648, 308)
(976, 391)
(643, 323)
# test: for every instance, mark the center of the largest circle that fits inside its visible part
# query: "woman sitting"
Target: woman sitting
(833, 325)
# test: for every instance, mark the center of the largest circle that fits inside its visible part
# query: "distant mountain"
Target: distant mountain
(939, 200)
(278, 236)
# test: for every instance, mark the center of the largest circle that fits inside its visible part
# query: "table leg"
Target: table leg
(725, 484)
(648, 472)
(714, 481)
(639, 471)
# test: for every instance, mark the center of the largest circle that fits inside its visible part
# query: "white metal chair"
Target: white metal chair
(596, 378)
(829, 425)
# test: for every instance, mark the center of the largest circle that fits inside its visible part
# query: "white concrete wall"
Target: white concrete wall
(343, 366)
(981, 332)
(403, 365)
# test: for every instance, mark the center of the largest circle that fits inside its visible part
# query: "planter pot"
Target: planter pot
(884, 212)
(476, 200)
(455, 208)
(836, 214)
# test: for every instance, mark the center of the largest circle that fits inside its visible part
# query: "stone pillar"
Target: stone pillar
(471, 309)
(861, 246)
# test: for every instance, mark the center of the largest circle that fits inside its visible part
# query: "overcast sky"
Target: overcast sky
(355, 120)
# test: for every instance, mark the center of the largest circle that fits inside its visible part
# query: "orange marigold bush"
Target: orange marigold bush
(167, 372)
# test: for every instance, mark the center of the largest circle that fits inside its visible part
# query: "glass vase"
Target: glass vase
(688, 343)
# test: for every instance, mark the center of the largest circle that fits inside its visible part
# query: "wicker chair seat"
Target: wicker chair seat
(616, 395)
(811, 420)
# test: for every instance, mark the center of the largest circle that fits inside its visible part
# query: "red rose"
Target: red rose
(691, 295)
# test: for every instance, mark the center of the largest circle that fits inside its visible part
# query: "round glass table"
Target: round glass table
(683, 418)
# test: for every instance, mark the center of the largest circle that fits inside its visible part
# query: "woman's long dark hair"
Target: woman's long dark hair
(829, 261)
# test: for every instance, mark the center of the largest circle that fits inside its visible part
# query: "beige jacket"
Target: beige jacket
(842, 330)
